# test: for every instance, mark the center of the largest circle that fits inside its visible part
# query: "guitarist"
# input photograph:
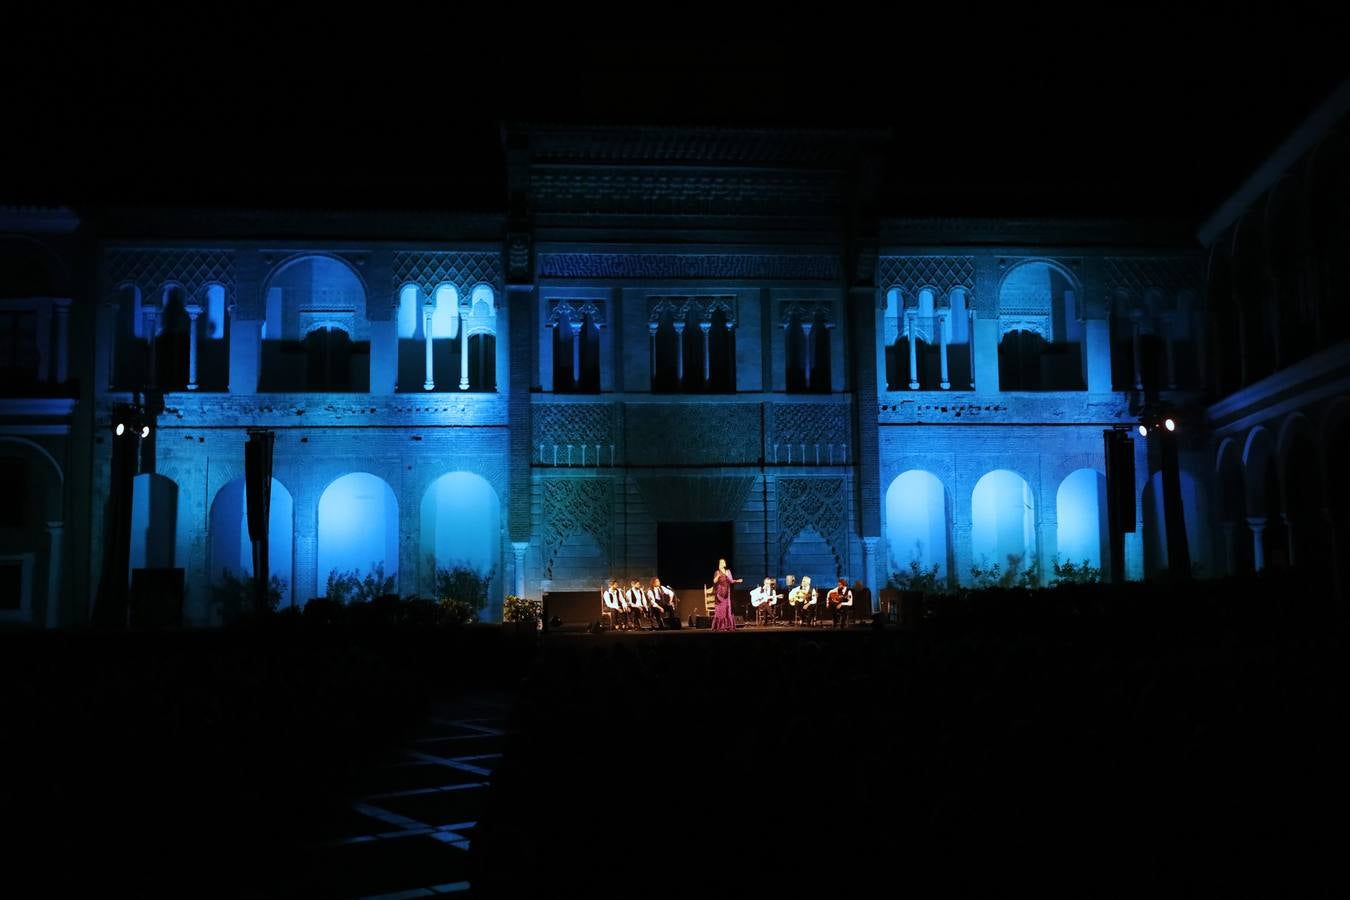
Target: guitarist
(840, 601)
(765, 601)
(805, 597)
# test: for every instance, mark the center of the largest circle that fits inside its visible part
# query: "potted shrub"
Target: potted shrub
(523, 612)
(461, 594)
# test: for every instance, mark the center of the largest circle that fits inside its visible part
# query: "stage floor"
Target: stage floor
(741, 628)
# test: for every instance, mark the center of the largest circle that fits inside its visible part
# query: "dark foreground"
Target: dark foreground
(1153, 740)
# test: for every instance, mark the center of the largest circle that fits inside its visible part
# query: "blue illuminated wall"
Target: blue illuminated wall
(918, 523)
(358, 526)
(232, 551)
(1080, 503)
(461, 525)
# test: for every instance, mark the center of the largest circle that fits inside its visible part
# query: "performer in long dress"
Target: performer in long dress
(723, 620)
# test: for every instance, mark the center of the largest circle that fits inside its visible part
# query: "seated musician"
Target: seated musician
(662, 601)
(612, 607)
(840, 601)
(764, 599)
(627, 612)
(803, 598)
(637, 600)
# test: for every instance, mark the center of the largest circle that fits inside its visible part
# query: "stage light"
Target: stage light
(120, 429)
(145, 431)
(1143, 431)
(1169, 425)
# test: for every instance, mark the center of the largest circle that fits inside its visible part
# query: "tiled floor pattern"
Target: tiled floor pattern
(408, 833)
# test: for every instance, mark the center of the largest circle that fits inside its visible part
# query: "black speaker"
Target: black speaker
(1120, 481)
(156, 598)
(673, 623)
(700, 621)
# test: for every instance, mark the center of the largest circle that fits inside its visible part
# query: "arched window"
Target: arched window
(461, 529)
(429, 339)
(917, 525)
(807, 350)
(1080, 507)
(1041, 345)
(478, 341)
(315, 338)
(576, 357)
(1003, 523)
(358, 527)
(173, 340)
(693, 344)
(154, 522)
(231, 551)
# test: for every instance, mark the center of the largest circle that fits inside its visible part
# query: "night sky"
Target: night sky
(1106, 115)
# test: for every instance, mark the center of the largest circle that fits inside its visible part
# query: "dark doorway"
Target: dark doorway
(687, 552)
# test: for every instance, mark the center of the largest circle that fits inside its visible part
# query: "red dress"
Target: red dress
(723, 620)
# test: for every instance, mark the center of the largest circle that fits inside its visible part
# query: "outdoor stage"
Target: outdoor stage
(582, 611)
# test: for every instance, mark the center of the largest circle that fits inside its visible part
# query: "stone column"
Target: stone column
(193, 310)
(150, 310)
(62, 307)
(806, 331)
(679, 352)
(910, 323)
(1097, 340)
(55, 533)
(463, 355)
(969, 343)
(984, 338)
(519, 548)
(576, 351)
(429, 384)
(1258, 525)
(942, 342)
(963, 552)
(652, 328)
(870, 570)
(706, 327)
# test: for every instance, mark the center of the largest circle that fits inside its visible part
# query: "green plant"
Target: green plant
(452, 611)
(521, 609)
(464, 585)
(919, 579)
(234, 597)
(350, 587)
(1069, 573)
(983, 577)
